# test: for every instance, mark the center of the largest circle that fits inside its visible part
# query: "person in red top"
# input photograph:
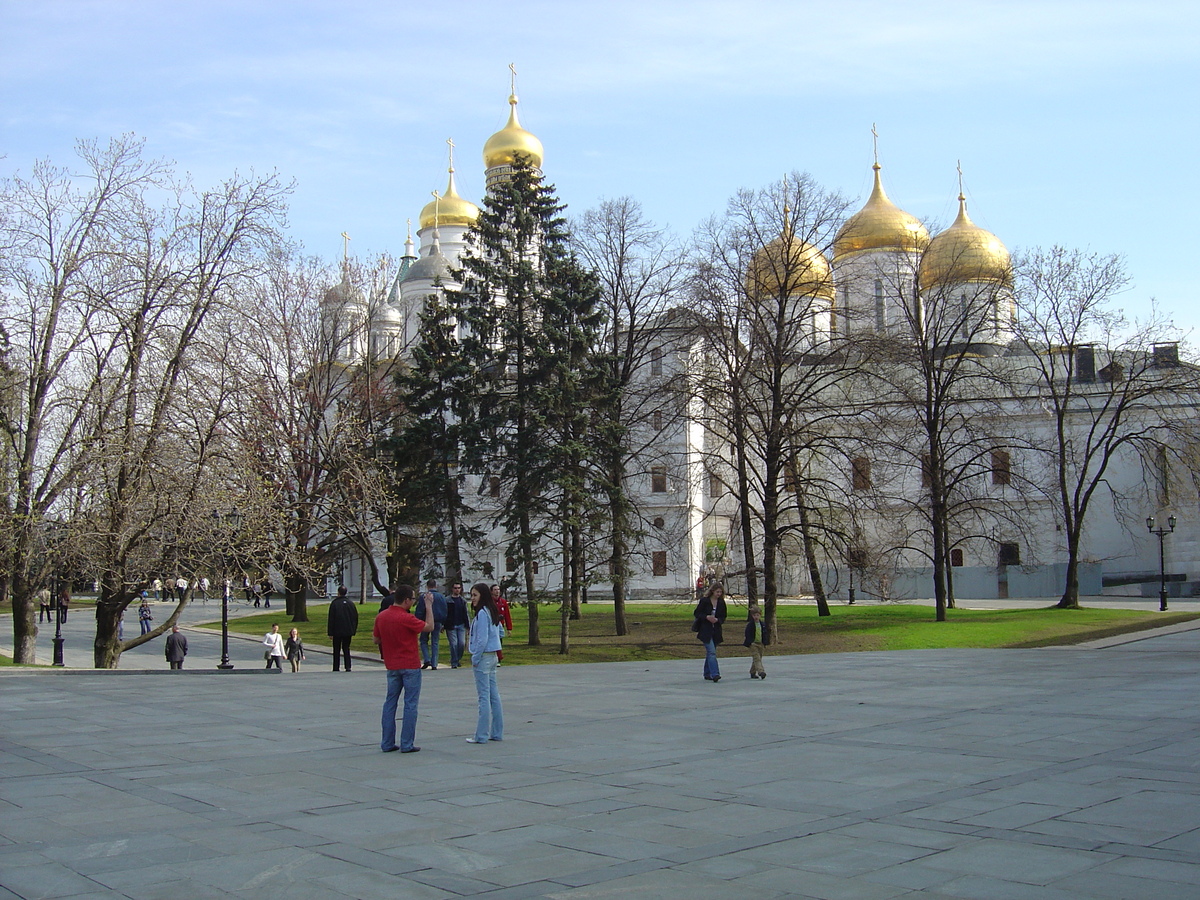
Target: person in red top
(505, 615)
(396, 633)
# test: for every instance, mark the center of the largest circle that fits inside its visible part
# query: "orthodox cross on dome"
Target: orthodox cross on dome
(512, 68)
(437, 209)
(787, 211)
(961, 195)
(345, 252)
(450, 143)
(875, 145)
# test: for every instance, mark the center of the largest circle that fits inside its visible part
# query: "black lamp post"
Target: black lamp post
(1162, 565)
(58, 619)
(233, 520)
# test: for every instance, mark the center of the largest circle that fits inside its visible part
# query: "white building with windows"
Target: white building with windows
(878, 279)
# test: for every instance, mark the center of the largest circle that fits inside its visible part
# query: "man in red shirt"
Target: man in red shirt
(396, 633)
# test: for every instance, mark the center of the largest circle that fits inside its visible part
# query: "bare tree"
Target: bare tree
(767, 293)
(1108, 386)
(109, 277)
(311, 395)
(641, 269)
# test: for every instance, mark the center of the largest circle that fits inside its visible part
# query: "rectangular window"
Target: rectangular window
(656, 358)
(494, 486)
(510, 563)
(660, 562)
(926, 471)
(658, 480)
(860, 474)
(715, 488)
(1001, 467)
(789, 480)
(956, 556)
(1009, 555)
(658, 420)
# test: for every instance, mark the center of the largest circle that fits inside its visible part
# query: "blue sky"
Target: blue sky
(1075, 122)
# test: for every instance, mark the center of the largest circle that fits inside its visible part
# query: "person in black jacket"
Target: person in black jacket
(710, 612)
(458, 621)
(756, 638)
(176, 648)
(343, 625)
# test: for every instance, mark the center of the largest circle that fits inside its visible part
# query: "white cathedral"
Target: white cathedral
(690, 520)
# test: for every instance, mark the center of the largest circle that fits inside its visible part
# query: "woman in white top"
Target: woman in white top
(274, 644)
(485, 641)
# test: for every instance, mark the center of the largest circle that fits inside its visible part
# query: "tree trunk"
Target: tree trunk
(296, 587)
(810, 558)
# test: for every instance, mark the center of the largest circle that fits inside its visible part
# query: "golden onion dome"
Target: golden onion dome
(880, 225)
(449, 209)
(512, 141)
(791, 267)
(964, 252)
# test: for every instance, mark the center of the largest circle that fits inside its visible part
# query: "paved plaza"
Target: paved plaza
(1056, 774)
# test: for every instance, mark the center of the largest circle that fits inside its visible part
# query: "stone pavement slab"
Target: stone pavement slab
(1055, 774)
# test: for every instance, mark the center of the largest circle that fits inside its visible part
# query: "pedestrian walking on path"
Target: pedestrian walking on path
(294, 648)
(707, 617)
(756, 639)
(274, 654)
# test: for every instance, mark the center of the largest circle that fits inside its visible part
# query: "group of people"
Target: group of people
(49, 606)
(708, 617)
(403, 631)
(278, 648)
(451, 615)
(176, 589)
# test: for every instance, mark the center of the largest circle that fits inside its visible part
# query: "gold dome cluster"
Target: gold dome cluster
(791, 267)
(964, 252)
(512, 141)
(449, 209)
(880, 225)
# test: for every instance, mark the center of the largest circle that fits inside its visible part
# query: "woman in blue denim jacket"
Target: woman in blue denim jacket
(486, 636)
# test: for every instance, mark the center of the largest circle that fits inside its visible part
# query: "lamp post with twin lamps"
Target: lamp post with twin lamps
(1162, 564)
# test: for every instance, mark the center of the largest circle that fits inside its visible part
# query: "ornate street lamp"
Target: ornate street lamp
(233, 522)
(1162, 565)
(59, 612)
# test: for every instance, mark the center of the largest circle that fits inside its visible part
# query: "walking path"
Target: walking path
(1055, 774)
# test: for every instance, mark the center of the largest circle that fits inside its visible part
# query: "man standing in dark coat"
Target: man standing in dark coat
(343, 624)
(176, 648)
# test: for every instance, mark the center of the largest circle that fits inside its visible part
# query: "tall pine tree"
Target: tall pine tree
(530, 315)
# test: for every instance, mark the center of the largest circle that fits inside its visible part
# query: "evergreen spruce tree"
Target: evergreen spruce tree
(436, 387)
(530, 318)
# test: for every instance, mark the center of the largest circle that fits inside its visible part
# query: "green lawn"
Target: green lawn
(662, 631)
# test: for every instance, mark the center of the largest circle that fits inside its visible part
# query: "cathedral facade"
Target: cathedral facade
(883, 278)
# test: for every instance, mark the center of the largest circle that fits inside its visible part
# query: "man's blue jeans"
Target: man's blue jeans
(408, 681)
(427, 655)
(491, 714)
(456, 637)
(711, 669)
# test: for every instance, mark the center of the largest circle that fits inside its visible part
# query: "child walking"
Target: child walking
(756, 639)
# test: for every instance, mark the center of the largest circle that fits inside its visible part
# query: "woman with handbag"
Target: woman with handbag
(707, 617)
(274, 653)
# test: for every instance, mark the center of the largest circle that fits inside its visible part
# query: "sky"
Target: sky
(1075, 121)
